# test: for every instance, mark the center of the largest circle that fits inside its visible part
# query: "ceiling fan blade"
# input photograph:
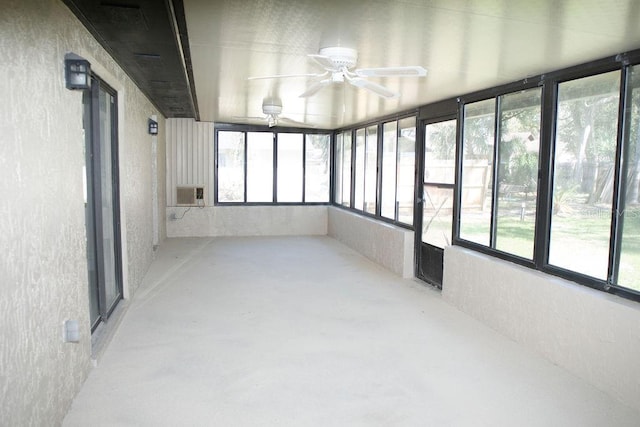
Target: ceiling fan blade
(284, 76)
(324, 61)
(408, 71)
(314, 88)
(373, 87)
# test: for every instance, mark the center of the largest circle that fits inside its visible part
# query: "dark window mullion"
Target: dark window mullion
(304, 168)
(245, 165)
(457, 190)
(364, 170)
(419, 184)
(216, 152)
(274, 171)
(620, 179)
(379, 154)
(495, 169)
(352, 193)
(545, 174)
(332, 162)
(396, 206)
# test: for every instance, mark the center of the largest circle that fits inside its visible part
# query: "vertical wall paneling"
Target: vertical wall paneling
(189, 162)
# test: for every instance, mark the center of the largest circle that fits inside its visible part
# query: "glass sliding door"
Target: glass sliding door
(102, 205)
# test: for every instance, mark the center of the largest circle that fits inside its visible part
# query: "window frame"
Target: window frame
(352, 131)
(549, 112)
(245, 129)
(495, 165)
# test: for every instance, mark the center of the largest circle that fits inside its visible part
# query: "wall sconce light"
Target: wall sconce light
(77, 72)
(153, 127)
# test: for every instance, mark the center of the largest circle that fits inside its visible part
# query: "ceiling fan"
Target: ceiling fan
(272, 108)
(338, 63)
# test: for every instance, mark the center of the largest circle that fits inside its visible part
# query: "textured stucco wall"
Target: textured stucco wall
(385, 244)
(162, 179)
(247, 221)
(43, 272)
(590, 333)
(136, 189)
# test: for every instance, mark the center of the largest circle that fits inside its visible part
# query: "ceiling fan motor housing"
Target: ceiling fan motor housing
(271, 109)
(342, 57)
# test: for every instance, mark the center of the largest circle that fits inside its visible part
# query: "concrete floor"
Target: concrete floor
(302, 331)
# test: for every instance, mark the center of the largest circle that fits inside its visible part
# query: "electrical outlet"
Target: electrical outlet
(71, 331)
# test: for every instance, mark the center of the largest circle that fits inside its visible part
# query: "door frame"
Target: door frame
(429, 259)
(95, 232)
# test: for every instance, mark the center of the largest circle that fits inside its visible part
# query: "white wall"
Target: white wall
(590, 333)
(190, 162)
(189, 157)
(247, 221)
(43, 268)
(385, 244)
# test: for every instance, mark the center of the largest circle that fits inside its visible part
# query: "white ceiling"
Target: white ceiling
(465, 45)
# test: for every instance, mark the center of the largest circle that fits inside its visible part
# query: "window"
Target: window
(438, 182)
(259, 167)
(500, 212)
(339, 179)
(406, 169)
(517, 172)
(389, 169)
(267, 167)
(383, 175)
(360, 148)
(371, 170)
(398, 170)
(346, 170)
(290, 167)
(629, 214)
(568, 146)
(583, 171)
(317, 167)
(231, 159)
(366, 169)
(343, 169)
(477, 171)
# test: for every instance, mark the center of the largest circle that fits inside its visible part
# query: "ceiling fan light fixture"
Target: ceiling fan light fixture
(271, 109)
(337, 77)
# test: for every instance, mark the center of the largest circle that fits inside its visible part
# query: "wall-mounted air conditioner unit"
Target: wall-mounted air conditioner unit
(189, 196)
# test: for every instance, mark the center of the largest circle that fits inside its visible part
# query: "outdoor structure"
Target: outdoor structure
(94, 179)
